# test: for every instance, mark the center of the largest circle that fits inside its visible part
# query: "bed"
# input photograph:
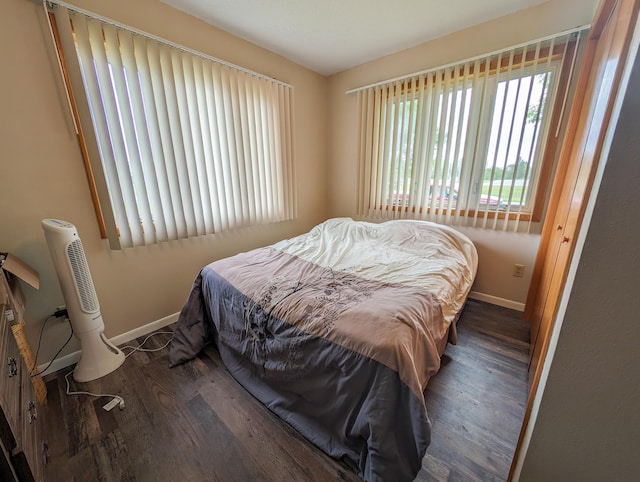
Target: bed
(338, 331)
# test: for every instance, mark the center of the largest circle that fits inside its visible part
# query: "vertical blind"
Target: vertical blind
(462, 144)
(188, 145)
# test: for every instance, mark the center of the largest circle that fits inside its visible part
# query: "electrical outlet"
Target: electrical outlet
(518, 270)
(61, 312)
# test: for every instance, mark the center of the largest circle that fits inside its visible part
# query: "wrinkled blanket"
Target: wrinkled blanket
(342, 355)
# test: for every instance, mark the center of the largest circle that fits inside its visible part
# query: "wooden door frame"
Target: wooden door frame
(628, 13)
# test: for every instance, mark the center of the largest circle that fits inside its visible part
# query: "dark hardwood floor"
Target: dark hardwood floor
(196, 423)
(477, 400)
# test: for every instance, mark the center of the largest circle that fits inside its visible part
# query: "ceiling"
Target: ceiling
(329, 36)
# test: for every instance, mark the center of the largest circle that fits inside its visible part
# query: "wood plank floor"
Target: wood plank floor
(195, 423)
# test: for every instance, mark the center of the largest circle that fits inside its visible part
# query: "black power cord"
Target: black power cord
(35, 359)
(58, 314)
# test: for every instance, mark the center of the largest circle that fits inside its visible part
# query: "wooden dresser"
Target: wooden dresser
(22, 444)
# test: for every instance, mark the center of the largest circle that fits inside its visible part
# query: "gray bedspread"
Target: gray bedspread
(344, 360)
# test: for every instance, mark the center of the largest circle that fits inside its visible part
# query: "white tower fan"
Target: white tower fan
(99, 357)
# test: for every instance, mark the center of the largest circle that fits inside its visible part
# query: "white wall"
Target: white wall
(498, 251)
(588, 422)
(43, 174)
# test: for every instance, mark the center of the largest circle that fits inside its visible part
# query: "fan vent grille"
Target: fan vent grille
(82, 277)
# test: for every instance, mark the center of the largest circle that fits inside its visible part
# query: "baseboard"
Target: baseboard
(72, 358)
(144, 330)
(494, 300)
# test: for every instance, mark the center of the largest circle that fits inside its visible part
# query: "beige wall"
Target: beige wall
(43, 175)
(498, 251)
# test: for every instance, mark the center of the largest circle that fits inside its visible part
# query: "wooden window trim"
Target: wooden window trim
(550, 153)
(80, 133)
(470, 213)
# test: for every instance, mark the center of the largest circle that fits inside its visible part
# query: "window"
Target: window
(471, 143)
(180, 144)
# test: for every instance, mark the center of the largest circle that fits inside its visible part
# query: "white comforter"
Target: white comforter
(414, 253)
